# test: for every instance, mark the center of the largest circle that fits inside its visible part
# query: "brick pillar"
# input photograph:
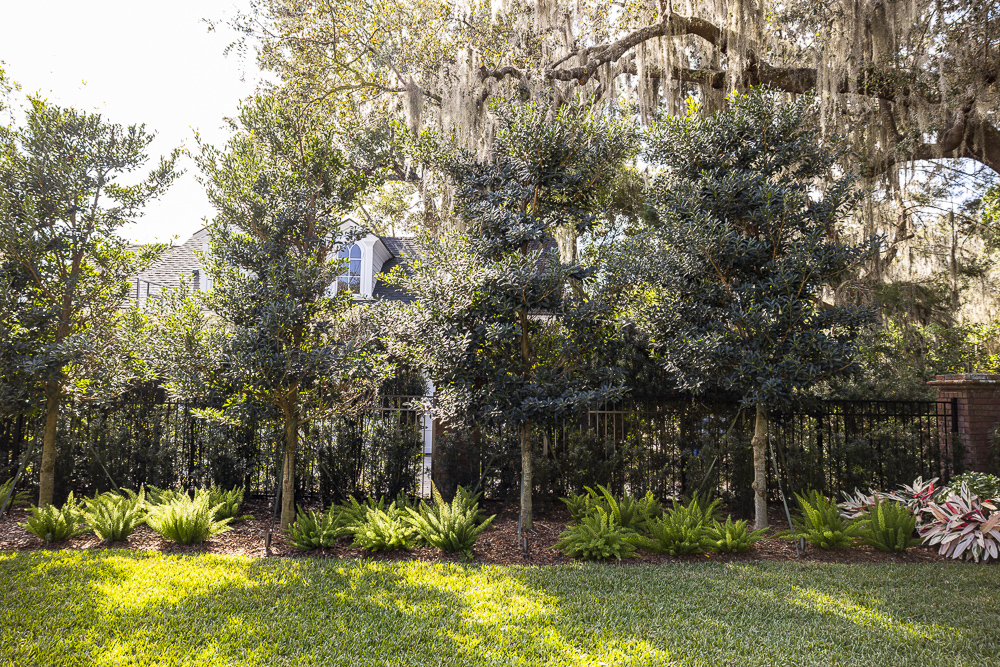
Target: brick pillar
(978, 397)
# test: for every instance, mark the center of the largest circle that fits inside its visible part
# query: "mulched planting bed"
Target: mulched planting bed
(497, 545)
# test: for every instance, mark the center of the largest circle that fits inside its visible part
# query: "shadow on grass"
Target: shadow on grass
(121, 608)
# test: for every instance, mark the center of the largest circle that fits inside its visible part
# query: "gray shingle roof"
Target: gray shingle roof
(177, 261)
(402, 249)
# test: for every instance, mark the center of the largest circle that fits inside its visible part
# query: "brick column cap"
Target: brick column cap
(962, 380)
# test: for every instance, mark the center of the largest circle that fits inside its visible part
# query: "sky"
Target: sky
(136, 62)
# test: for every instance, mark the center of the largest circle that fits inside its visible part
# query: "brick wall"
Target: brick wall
(978, 413)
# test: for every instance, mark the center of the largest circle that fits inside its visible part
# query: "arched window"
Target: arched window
(351, 280)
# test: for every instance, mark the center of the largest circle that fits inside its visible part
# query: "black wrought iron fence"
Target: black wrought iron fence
(145, 439)
(679, 448)
(672, 449)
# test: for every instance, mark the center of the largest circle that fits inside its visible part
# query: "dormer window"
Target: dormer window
(351, 280)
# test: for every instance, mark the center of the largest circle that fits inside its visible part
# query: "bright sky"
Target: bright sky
(136, 62)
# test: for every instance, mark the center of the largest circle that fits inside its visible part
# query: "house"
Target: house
(370, 258)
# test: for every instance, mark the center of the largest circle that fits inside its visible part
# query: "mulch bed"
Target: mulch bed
(497, 545)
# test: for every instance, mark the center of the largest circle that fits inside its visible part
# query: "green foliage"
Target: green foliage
(476, 294)
(158, 496)
(64, 268)
(319, 530)
(228, 503)
(54, 524)
(628, 511)
(451, 527)
(186, 520)
(580, 504)
(984, 485)
(740, 252)
(731, 537)
(17, 499)
(821, 523)
(383, 529)
(889, 527)
(682, 530)
(113, 516)
(281, 188)
(597, 537)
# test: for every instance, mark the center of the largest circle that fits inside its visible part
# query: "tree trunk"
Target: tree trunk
(47, 476)
(759, 444)
(527, 479)
(288, 475)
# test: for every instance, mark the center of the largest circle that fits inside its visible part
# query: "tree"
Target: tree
(894, 73)
(282, 189)
(61, 203)
(501, 326)
(734, 269)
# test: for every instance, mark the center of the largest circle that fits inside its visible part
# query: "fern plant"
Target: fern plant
(683, 530)
(451, 527)
(597, 537)
(315, 530)
(17, 499)
(732, 536)
(228, 502)
(186, 520)
(383, 530)
(157, 496)
(113, 516)
(55, 524)
(821, 523)
(889, 526)
(579, 504)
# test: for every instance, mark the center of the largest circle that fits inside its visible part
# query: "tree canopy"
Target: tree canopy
(65, 270)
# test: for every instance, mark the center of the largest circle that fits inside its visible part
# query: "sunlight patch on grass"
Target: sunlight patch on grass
(868, 617)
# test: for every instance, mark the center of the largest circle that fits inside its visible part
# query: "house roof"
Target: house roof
(176, 261)
(403, 249)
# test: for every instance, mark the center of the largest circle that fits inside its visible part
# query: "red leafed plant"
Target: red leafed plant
(916, 497)
(964, 527)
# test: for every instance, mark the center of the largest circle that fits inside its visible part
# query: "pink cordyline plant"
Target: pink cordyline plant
(964, 526)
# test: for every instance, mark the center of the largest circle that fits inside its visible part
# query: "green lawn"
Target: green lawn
(126, 608)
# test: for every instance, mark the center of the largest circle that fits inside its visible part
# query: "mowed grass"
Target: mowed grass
(126, 608)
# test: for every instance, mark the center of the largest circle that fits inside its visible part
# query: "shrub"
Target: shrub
(981, 484)
(683, 530)
(889, 527)
(858, 505)
(821, 524)
(314, 530)
(383, 530)
(54, 524)
(451, 527)
(18, 498)
(964, 526)
(228, 503)
(157, 496)
(597, 537)
(627, 511)
(186, 520)
(731, 537)
(113, 516)
(916, 496)
(579, 504)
